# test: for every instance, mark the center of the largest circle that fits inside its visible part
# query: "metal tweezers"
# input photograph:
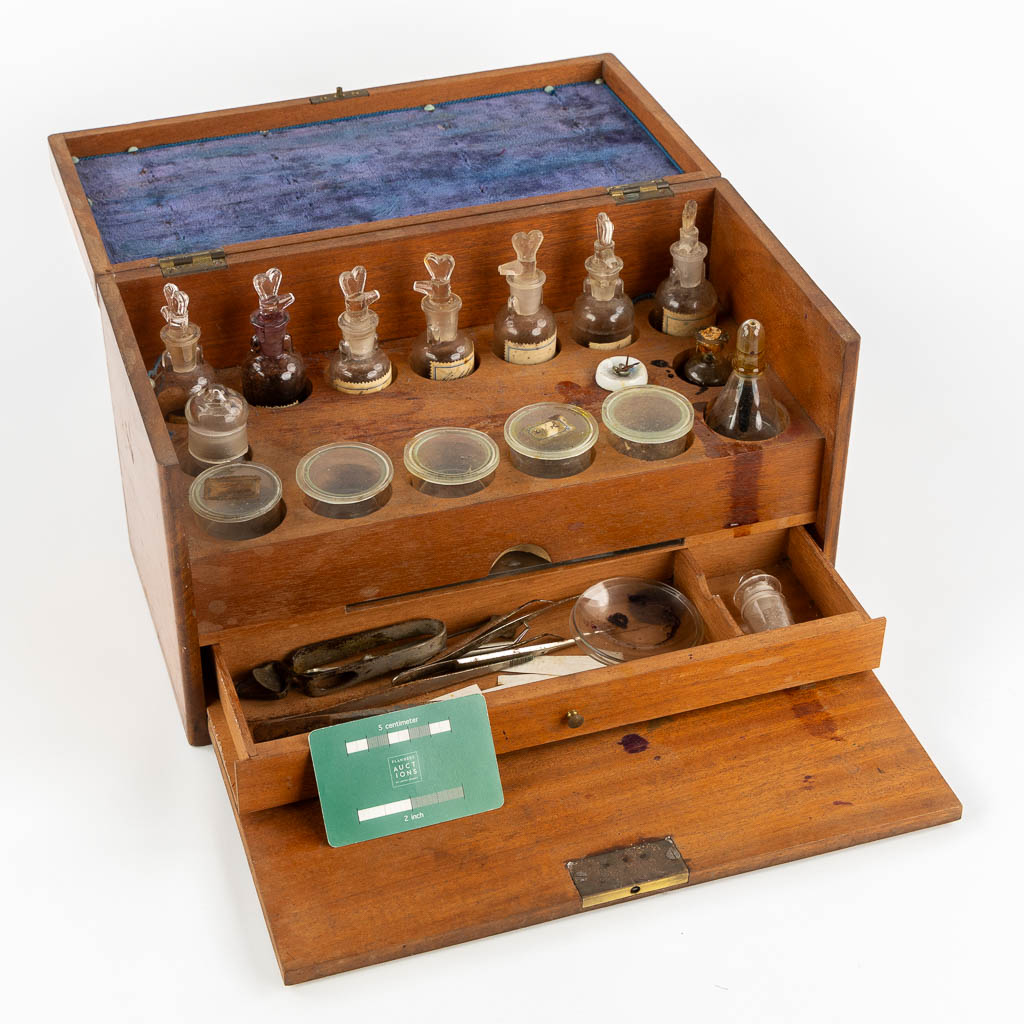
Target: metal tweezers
(481, 654)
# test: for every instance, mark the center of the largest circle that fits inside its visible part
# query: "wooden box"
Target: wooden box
(748, 750)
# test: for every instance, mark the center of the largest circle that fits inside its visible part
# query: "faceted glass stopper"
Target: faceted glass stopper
(688, 225)
(353, 287)
(267, 285)
(604, 262)
(176, 310)
(526, 244)
(440, 269)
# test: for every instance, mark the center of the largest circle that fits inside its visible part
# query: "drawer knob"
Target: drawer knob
(573, 719)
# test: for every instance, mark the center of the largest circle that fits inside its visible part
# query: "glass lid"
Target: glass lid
(344, 473)
(647, 414)
(235, 493)
(451, 455)
(551, 431)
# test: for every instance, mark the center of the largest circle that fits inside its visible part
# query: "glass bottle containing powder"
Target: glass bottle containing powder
(360, 366)
(524, 329)
(686, 301)
(442, 351)
(602, 317)
(274, 374)
(707, 366)
(181, 371)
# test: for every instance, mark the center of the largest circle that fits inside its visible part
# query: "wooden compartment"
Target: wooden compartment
(833, 637)
(748, 750)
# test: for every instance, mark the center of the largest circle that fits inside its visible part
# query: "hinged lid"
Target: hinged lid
(351, 161)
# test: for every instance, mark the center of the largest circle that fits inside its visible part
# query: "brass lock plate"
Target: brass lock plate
(644, 867)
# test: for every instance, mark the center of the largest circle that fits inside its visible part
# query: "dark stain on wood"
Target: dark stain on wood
(633, 743)
(815, 719)
(744, 485)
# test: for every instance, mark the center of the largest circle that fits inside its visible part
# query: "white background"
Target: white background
(881, 142)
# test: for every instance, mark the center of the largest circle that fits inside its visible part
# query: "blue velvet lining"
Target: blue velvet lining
(195, 195)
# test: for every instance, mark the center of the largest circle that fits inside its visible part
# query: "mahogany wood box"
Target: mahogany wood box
(748, 750)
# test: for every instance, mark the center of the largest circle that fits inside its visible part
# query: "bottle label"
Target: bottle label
(363, 387)
(523, 355)
(453, 370)
(684, 325)
(611, 345)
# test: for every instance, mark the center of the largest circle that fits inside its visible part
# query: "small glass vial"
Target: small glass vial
(217, 431)
(686, 300)
(761, 603)
(360, 366)
(442, 351)
(707, 366)
(524, 329)
(181, 371)
(745, 409)
(602, 317)
(274, 374)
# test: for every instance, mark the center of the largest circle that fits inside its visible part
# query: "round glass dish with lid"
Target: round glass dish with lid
(451, 462)
(626, 618)
(345, 480)
(237, 501)
(648, 422)
(551, 439)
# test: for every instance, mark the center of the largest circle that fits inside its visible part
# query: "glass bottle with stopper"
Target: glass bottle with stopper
(360, 366)
(181, 371)
(707, 366)
(745, 409)
(274, 374)
(217, 432)
(686, 300)
(603, 316)
(524, 329)
(442, 351)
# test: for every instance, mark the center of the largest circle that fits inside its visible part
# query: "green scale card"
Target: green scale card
(405, 770)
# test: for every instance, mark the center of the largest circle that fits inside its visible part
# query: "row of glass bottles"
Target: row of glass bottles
(524, 332)
(524, 329)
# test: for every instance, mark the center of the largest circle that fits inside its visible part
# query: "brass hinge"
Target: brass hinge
(644, 867)
(339, 94)
(193, 262)
(638, 191)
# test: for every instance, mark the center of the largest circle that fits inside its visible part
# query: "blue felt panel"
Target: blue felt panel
(195, 195)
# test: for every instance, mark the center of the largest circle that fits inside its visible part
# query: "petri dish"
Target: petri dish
(626, 618)
(648, 422)
(238, 500)
(451, 462)
(345, 480)
(551, 439)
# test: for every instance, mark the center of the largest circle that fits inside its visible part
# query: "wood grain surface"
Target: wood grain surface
(728, 666)
(738, 786)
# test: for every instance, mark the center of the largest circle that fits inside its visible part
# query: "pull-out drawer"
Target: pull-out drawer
(832, 636)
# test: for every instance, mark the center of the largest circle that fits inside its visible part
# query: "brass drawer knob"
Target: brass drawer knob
(573, 719)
